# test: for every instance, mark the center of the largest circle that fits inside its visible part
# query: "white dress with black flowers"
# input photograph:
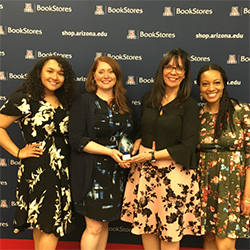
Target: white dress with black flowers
(43, 191)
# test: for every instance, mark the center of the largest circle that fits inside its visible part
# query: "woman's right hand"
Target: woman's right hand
(116, 155)
(30, 150)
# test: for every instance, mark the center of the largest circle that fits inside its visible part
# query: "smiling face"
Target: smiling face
(211, 86)
(173, 74)
(104, 76)
(52, 76)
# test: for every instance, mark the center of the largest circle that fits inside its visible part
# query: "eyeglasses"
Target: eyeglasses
(179, 70)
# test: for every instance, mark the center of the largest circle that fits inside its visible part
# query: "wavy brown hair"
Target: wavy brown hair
(33, 87)
(119, 102)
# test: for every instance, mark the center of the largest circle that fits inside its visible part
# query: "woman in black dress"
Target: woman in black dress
(40, 105)
(97, 121)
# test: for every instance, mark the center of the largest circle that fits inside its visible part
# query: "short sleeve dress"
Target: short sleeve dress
(222, 168)
(43, 191)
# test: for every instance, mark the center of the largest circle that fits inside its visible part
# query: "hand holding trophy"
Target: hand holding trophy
(125, 146)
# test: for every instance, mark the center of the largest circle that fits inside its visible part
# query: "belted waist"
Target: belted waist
(217, 148)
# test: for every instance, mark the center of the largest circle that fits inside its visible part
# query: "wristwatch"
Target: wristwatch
(153, 156)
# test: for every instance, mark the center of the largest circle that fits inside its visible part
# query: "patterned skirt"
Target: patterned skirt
(162, 198)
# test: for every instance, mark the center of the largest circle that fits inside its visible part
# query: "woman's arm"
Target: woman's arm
(28, 151)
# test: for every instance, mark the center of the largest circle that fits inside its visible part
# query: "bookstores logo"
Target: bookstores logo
(45, 8)
(139, 80)
(100, 11)
(189, 11)
(152, 34)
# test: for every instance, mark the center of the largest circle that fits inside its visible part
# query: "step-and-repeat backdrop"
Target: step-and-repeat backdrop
(136, 34)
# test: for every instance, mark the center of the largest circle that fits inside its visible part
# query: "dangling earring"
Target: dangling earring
(201, 97)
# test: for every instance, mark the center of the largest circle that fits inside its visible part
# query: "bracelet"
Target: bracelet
(153, 156)
(247, 201)
(18, 153)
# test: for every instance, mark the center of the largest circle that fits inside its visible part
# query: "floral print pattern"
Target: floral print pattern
(162, 198)
(43, 190)
(222, 167)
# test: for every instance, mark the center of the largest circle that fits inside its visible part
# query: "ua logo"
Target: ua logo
(99, 10)
(130, 80)
(167, 12)
(2, 78)
(4, 204)
(234, 11)
(1, 30)
(231, 60)
(28, 8)
(98, 54)
(131, 34)
(3, 162)
(29, 54)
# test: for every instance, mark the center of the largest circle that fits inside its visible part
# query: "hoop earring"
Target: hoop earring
(201, 97)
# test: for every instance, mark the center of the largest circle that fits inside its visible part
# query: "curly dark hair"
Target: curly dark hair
(159, 87)
(33, 87)
(226, 108)
(119, 100)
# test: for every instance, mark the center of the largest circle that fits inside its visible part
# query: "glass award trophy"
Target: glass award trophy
(125, 146)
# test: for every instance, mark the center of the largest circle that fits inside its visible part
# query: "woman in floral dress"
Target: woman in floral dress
(161, 198)
(40, 105)
(224, 163)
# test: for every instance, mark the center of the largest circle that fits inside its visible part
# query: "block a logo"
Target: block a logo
(29, 54)
(167, 11)
(234, 11)
(97, 54)
(4, 204)
(131, 34)
(99, 10)
(232, 59)
(1, 30)
(130, 80)
(3, 162)
(2, 78)
(28, 8)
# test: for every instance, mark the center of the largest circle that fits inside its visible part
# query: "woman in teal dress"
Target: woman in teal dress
(224, 162)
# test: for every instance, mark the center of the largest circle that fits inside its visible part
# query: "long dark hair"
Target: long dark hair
(226, 108)
(159, 87)
(119, 101)
(33, 87)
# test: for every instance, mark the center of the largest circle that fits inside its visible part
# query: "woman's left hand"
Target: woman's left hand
(245, 207)
(142, 157)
